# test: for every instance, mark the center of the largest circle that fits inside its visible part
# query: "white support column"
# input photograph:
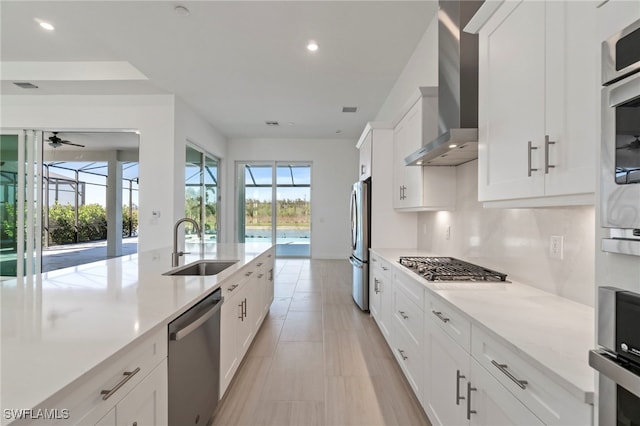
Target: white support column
(114, 207)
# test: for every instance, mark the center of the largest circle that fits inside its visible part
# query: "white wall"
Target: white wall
(420, 70)
(334, 169)
(515, 241)
(153, 115)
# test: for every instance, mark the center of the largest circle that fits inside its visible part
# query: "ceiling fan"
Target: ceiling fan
(635, 144)
(55, 141)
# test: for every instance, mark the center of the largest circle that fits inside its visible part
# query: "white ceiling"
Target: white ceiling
(238, 63)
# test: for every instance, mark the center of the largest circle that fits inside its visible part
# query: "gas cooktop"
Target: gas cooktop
(449, 269)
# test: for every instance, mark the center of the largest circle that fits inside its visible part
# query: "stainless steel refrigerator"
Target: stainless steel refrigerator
(360, 233)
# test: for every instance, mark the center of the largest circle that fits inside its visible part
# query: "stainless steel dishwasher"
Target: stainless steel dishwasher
(194, 363)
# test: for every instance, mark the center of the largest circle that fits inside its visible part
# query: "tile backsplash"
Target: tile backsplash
(516, 241)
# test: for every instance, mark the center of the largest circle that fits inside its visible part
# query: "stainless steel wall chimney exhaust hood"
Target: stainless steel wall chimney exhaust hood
(457, 142)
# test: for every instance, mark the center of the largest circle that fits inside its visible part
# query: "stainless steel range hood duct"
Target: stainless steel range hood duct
(457, 142)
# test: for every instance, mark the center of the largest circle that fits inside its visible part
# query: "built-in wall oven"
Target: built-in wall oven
(620, 153)
(618, 357)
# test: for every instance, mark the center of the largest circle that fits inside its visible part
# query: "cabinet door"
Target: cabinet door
(109, 419)
(365, 157)
(246, 302)
(512, 102)
(446, 378)
(572, 107)
(411, 142)
(229, 324)
(399, 135)
(374, 291)
(147, 403)
(385, 287)
(493, 404)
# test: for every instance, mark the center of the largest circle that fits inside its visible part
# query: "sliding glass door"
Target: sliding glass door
(274, 205)
(20, 203)
(201, 192)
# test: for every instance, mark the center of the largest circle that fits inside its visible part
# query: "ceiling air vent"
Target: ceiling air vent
(25, 85)
(271, 123)
(349, 109)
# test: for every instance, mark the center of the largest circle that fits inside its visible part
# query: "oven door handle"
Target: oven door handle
(608, 367)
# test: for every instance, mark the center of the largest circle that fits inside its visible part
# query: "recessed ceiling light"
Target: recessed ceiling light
(338, 131)
(312, 46)
(349, 109)
(291, 123)
(44, 24)
(182, 11)
(453, 145)
(419, 163)
(271, 123)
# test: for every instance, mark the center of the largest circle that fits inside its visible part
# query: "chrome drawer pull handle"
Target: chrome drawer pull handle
(469, 410)
(405, 316)
(127, 376)
(384, 268)
(261, 275)
(458, 377)
(248, 274)
(376, 285)
(259, 264)
(503, 367)
(404, 357)
(442, 317)
(233, 287)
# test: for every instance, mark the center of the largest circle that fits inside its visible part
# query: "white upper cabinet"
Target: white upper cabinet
(365, 156)
(538, 103)
(420, 188)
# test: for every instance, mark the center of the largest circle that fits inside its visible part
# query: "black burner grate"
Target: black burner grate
(449, 269)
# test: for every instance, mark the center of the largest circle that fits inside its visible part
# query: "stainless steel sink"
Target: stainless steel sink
(202, 267)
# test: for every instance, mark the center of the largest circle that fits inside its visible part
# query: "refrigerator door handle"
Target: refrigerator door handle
(355, 262)
(354, 220)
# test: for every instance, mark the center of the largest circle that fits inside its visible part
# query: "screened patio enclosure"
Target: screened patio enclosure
(65, 204)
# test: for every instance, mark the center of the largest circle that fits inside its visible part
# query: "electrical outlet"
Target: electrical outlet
(447, 232)
(556, 247)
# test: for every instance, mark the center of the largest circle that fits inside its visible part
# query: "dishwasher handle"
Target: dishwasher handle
(185, 331)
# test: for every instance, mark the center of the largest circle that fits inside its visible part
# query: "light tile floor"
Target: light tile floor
(318, 360)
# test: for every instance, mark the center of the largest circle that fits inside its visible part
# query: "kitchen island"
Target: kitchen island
(62, 327)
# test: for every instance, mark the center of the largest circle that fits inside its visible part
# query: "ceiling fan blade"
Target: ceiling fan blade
(71, 143)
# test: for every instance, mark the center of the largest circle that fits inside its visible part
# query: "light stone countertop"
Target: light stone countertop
(62, 324)
(552, 333)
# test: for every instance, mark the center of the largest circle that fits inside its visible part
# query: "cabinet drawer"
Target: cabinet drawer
(83, 397)
(380, 264)
(544, 397)
(409, 316)
(451, 321)
(409, 356)
(412, 288)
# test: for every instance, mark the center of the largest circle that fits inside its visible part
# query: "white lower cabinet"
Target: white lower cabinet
(381, 294)
(246, 302)
(492, 404)
(145, 405)
(447, 370)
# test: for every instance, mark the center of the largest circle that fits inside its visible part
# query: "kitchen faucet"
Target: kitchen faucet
(175, 256)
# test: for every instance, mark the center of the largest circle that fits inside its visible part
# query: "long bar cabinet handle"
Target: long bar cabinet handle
(440, 316)
(458, 377)
(547, 142)
(404, 357)
(530, 148)
(469, 410)
(504, 368)
(127, 376)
